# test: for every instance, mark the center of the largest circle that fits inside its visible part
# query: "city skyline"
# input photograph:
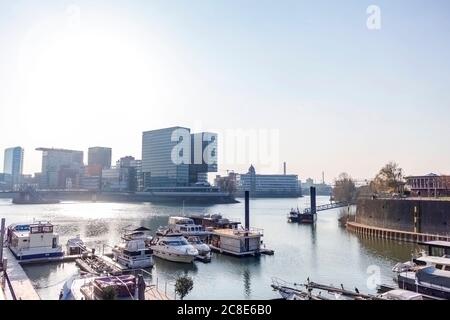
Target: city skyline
(80, 74)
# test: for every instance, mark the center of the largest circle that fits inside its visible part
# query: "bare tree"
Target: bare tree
(389, 179)
(344, 188)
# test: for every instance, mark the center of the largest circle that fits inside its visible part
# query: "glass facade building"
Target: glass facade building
(100, 156)
(173, 157)
(61, 168)
(158, 167)
(13, 164)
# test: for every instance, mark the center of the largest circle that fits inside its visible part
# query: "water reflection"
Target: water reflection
(325, 252)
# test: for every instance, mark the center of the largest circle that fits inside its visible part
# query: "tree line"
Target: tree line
(388, 181)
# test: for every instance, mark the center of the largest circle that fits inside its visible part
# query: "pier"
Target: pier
(17, 284)
(394, 234)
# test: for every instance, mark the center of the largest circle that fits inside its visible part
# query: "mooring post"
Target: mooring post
(2, 234)
(312, 192)
(247, 218)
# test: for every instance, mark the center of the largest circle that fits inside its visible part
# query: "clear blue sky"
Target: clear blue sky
(74, 74)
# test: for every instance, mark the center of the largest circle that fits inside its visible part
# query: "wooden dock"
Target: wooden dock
(391, 234)
(18, 285)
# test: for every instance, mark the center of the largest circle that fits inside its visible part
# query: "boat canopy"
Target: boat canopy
(434, 276)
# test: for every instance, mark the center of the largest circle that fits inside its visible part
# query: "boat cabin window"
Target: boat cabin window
(132, 253)
(177, 243)
(183, 228)
(41, 229)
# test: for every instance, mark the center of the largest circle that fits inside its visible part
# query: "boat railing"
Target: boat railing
(242, 231)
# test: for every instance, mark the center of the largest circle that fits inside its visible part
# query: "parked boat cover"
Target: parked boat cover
(434, 276)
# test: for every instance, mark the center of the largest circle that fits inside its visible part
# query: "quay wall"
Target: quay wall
(428, 216)
(175, 198)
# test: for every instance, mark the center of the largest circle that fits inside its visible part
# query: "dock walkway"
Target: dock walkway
(20, 286)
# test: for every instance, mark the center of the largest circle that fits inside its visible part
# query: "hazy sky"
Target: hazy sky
(75, 74)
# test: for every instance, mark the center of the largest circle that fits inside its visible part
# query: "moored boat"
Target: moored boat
(172, 246)
(34, 242)
(133, 251)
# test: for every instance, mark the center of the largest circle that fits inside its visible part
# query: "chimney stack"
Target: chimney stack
(284, 168)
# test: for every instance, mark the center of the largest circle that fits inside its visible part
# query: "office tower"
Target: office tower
(13, 164)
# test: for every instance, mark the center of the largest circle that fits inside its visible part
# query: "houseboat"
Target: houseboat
(237, 241)
(34, 242)
(214, 221)
(172, 246)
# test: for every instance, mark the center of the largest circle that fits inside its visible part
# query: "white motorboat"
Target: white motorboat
(172, 246)
(187, 227)
(204, 251)
(34, 242)
(133, 252)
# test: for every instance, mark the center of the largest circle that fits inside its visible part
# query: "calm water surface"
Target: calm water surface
(325, 253)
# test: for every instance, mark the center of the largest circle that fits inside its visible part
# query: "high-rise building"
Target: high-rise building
(162, 163)
(61, 168)
(100, 156)
(173, 157)
(203, 157)
(13, 164)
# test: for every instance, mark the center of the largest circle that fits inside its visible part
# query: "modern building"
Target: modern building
(61, 168)
(175, 158)
(430, 185)
(13, 165)
(100, 156)
(268, 185)
(202, 161)
(5, 182)
(125, 176)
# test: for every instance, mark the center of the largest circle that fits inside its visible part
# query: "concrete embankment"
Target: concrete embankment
(428, 216)
(159, 197)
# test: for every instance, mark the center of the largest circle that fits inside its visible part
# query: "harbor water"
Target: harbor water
(326, 253)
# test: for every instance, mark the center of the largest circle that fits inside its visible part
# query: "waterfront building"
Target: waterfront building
(100, 156)
(202, 162)
(125, 176)
(175, 158)
(430, 185)
(13, 165)
(91, 183)
(227, 183)
(322, 189)
(268, 185)
(61, 168)
(5, 181)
